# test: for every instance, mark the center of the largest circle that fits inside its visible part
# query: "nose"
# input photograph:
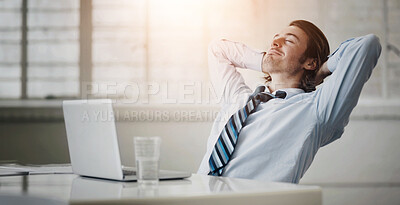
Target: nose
(276, 42)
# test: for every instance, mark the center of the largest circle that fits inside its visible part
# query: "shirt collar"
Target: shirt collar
(290, 92)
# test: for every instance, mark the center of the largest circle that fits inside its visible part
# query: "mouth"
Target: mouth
(274, 52)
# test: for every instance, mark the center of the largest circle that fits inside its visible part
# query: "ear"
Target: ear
(310, 64)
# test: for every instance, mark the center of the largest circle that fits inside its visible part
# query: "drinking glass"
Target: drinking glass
(147, 153)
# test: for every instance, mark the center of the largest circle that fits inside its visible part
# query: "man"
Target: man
(278, 140)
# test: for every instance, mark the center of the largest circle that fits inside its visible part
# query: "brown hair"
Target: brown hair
(317, 48)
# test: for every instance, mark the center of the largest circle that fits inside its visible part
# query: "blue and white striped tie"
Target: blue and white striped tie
(227, 140)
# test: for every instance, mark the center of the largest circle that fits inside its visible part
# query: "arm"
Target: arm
(351, 66)
(322, 73)
(223, 58)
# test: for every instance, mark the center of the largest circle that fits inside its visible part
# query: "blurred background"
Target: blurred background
(151, 57)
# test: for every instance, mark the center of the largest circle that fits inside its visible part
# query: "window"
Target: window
(53, 48)
(119, 46)
(10, 49)
(46, 66)
(71, 48)
(154, 44)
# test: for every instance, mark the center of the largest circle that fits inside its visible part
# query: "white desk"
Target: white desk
(197, 189)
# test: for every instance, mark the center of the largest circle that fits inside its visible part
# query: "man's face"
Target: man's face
(287, 48)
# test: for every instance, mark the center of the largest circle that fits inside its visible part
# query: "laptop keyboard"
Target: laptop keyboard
(128, 172)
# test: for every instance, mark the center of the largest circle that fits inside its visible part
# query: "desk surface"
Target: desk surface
(198, 189)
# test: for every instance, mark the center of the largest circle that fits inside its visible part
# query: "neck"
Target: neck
(283, 81)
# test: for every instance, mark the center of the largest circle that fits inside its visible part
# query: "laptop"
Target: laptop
(93, 143)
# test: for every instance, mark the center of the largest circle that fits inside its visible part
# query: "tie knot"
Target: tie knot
(258, 90)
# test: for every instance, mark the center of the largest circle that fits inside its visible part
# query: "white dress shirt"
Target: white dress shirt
(280, 139)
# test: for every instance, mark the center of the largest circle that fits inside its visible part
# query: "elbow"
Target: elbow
(215, 45)
(372, 46)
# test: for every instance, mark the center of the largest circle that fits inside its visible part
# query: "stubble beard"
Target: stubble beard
(287, 69)
(279, 66)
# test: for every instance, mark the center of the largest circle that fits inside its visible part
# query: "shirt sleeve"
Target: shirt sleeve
(223, 58)
(351, 66)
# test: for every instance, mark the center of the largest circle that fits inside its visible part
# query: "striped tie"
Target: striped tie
(227, 140)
